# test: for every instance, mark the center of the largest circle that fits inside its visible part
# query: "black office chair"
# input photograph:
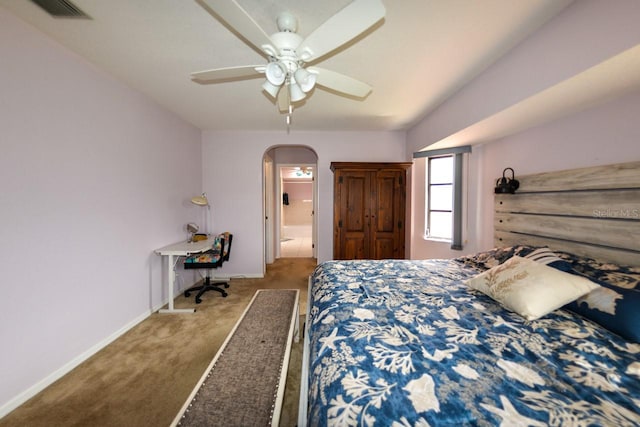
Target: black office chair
(209, 260)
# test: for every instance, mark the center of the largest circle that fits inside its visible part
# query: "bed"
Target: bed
(438, 342)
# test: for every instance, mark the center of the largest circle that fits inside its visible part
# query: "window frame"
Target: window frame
(458, 188)
(429, 199)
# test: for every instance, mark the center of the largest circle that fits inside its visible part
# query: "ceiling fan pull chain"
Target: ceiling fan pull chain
(288, 118)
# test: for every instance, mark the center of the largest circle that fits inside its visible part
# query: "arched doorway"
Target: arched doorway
(290, 202)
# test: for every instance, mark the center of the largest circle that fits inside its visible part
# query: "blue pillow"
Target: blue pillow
(612, 274)
(496, 256)
(615, 308)
(616, 305)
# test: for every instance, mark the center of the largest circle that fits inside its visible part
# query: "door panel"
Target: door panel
(355, 209)
(384, 204)
(353, 219)
(387, 231)
(384, 248)
(355, 247)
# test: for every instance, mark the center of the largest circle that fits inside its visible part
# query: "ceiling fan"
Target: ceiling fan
(288, 80)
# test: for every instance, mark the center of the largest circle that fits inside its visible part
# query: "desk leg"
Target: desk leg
(170, 288)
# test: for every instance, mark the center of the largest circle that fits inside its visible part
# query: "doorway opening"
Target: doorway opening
(296, 219)
(290, 202)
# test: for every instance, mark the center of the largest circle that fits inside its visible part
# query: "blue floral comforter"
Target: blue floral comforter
(406, 343)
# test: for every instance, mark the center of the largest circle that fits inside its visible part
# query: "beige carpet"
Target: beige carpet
(144, 377)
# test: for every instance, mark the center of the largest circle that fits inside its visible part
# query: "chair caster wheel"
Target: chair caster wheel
(226, 285)
(187, 294)
(198, 300)
(224, 294)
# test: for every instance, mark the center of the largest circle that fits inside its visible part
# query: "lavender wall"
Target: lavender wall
(604, 135)
(583, 35)
(93, 178)
(236, 192)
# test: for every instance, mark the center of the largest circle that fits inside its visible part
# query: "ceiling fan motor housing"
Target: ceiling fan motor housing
(286, 44)
(287, 21)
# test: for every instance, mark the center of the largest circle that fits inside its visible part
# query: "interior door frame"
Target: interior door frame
(268, 209)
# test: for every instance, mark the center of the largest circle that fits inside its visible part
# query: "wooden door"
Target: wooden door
(387, 214)
(351, 215)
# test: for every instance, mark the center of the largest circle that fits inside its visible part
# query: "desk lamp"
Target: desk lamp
(203, 201)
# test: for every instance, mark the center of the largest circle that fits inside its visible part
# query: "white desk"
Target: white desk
(180, 249)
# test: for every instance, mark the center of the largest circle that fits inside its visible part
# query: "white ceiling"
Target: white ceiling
(420, 54)
(302, 173)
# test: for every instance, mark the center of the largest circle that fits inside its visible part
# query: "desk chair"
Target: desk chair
(209, 260)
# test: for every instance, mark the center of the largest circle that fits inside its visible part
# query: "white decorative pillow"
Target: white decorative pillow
(529, 288)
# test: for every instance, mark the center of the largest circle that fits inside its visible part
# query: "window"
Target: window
(439, 220)
(443, 209)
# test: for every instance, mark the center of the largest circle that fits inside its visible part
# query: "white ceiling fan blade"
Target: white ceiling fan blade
(341, 28)
(241, 22)
(226, 74)
(340, 83)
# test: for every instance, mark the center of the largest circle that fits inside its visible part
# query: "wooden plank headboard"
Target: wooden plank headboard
(594, 212)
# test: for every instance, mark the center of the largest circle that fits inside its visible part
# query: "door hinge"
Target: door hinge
(340, 224)
(399, 224)
(340, 180)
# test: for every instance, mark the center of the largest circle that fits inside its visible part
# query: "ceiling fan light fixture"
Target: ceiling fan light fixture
(276, 73)
(287, 51)
(271, 89)
(295, 92)
(305, 79)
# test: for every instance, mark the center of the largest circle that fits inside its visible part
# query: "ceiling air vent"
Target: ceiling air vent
(61, 9)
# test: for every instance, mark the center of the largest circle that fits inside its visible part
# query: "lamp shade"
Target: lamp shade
(295, 92)
(305, 79)
(275, 73)
(200, 200)
(270, 88)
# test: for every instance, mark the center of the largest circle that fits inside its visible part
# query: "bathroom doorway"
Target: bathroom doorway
(297, 211)
(290, 202)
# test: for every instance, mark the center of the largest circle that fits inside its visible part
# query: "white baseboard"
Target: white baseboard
(243, 276)
(237, 276)
(68, 367)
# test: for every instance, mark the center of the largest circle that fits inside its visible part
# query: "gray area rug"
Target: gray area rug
(240, 389)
